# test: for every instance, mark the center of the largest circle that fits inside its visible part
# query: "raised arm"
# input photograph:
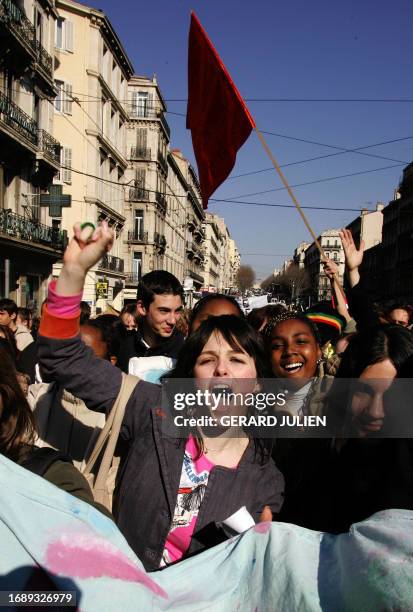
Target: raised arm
(62, 355)
(331, 270)
(354, 256)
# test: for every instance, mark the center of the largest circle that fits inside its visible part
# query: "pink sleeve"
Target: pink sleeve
(62, 305)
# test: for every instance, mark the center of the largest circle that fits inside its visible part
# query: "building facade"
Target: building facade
(90, 120)
(319, 283)
(31, 239)
(396, 259)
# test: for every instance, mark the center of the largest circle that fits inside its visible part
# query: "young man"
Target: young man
(8, 316)
(159, 306)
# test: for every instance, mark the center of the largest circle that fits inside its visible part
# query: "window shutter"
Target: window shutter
(68, 35)
(141, 138)
(140, 177)
(67, 162)
(150, 104)
(67, 99)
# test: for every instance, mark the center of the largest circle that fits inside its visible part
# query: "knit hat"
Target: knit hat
(329, 322)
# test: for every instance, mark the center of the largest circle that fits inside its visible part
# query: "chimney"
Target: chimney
(364, 211)
(379, 206)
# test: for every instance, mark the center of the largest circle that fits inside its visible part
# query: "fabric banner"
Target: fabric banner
(50, 540)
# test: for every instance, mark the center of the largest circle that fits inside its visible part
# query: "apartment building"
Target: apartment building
(234, 262)
(194, 233)
(90, 118)
(156, 195)
(395, 260)
(319, 283)
(299, 254)
(31, 237)
(213, 248)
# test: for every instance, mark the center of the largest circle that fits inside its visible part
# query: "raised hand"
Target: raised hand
(330, 268)
(84, 250)
(354, 256)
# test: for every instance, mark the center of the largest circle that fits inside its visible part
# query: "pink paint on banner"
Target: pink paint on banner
(82, 556)
(262, 527)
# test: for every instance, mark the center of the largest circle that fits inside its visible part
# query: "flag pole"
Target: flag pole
(290, 191)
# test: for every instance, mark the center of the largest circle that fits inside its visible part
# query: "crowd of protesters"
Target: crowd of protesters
(173, 495)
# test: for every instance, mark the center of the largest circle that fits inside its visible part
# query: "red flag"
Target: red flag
(217, 116)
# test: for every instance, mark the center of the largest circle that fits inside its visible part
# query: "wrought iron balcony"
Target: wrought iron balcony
(16, 119)
(111, 263)
(16, 22)
(43, 59)
(142, 112)
(162, 162)
(160, 241)
(140, 153)
(161, 201)
(132, 279)
(141, 237)
(16, 226)
(138, 194)
(199, 233)
(49, 146)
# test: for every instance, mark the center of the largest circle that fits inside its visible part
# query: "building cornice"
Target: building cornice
(99, 19)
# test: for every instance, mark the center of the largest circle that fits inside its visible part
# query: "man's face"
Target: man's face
(5, 318)
(162, 314)
(400, 317)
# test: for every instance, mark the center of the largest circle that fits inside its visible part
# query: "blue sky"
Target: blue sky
(307, 50)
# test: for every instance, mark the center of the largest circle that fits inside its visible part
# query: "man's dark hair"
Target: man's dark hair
(158, 282)
(9, 306)
(24, 313)
(85, 312)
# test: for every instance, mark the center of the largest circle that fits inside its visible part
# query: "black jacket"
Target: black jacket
(150, 473)
(131, 345)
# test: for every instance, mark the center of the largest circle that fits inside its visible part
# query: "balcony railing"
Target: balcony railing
(17, 119)
(16, 21)
(143, 112)
(140, 153)
(160, 241)
(132, 278)
(138, 237)
(43, 58)
(111, 263)
(138, 194)
(16, 226)
(161, 201)
(163, 163)
(49, 146)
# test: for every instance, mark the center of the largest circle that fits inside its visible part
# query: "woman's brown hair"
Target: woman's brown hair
(17, 424)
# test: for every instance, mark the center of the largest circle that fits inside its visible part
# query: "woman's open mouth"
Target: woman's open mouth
(292, 368)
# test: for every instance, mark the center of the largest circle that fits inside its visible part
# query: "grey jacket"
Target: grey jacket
(150, 472)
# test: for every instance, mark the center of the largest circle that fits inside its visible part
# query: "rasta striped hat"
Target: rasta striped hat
(328, 321)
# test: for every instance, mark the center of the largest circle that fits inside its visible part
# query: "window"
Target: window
(64, 99)
(64, 35)
(58, 103)
(138, 227)
(66, 160)
(65, 173)
(137, 265)
(142, 103)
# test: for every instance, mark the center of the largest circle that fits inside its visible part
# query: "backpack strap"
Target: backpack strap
(109, 435)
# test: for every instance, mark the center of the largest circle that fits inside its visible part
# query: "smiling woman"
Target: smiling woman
(375, 358)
